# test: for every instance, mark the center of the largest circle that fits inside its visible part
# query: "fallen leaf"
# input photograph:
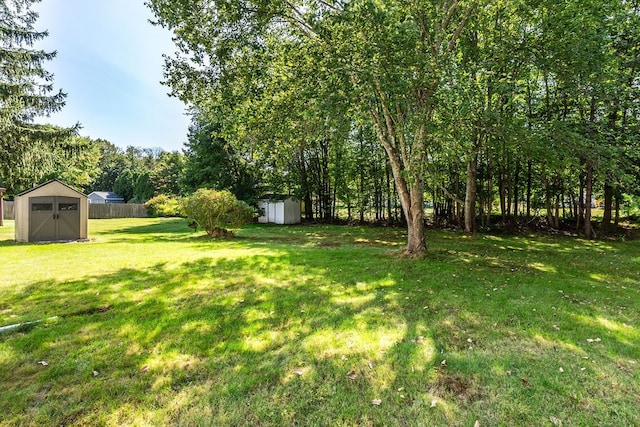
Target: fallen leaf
(555, 421)
(298, 371)
(352, 374)
(43, 363)
(524, 382)
(508, 372)
(144, 369)
(376, 402)
(434, 402)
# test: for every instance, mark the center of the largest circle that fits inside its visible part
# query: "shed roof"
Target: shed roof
(276, 197)
(49, 182)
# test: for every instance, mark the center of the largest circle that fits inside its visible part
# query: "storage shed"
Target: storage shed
(51, 212)
(277, 209)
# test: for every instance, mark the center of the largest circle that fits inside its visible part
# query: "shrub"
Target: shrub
(216, 211)
(163, 205)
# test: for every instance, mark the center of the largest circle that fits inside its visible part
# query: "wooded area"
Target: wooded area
(484, 111)
(520, 106)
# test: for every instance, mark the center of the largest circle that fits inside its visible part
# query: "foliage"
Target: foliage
(164, 206)
(168, 173)
(26, 93)
(482, 106)
(211, 162)
(124, 184)
(139, 173)
(143, 188)
(216, 211)
(308, 325)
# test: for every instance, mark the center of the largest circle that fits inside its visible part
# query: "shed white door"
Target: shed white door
(54, 218)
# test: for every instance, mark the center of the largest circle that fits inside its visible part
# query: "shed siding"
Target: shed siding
(54, 188)
(285, 211)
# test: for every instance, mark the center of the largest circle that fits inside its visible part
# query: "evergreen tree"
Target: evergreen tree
(26, 92)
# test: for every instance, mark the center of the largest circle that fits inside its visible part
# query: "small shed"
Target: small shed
(104, 197)
(51, 212)
(279, 209)
(2, 190)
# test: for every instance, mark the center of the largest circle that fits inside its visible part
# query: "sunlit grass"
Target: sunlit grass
(151, 324)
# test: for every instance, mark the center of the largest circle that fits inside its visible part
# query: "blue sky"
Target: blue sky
(110, 65)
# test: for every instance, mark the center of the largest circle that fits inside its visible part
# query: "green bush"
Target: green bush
(163, 205)
(216, 211)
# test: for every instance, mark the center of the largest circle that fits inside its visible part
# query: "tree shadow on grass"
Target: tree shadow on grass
(313, 338)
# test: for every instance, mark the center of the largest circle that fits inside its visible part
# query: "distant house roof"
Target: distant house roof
(106, 195)
(47, 183)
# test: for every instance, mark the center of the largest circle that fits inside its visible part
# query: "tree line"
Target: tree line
(366, 109)
(479, 106)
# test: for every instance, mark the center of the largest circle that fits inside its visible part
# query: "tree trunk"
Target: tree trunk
(557, 207)
(529, 178)
(407, 169)
(458, 205)
(415, 222)
(306, 193)
(617, 208)
(608, 205)
(489, 191)
(588, 228)
(502, 189)
(389, 192)
(516, 193)
(470, 196)
(580, 215)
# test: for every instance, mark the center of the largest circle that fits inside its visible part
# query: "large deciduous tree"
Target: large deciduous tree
(394, 56)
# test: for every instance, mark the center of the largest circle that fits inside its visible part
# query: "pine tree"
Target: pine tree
(26, 92)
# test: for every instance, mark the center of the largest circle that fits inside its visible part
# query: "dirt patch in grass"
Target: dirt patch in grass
(90, 311)
(454, 385)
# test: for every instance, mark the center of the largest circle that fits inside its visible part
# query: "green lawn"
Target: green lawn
(151, 324)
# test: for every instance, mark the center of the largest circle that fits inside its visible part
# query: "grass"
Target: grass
(312, 325)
